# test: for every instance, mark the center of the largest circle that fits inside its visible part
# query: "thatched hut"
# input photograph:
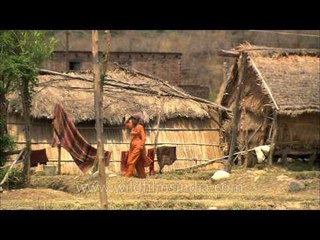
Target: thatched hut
(277, 93)
(190, 124)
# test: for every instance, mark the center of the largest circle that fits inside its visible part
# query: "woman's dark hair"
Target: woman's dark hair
(136, 121)
(138, 118)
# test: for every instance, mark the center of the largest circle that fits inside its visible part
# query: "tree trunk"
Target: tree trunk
(25, 97)
(3, 121)
(3, 113)
(98, 95)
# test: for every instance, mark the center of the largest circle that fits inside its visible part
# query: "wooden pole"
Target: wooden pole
(67, 50)
(208, 162)
(236, 114)
(98, 97)
(225, 72)
(247, 159)
(59, 159)
(284, 154)
(313, 157)
(106, 52)
(274, 136)
(158, 126)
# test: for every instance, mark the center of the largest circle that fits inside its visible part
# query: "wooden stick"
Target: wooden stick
(264, 83)
(249, 140)
(274, 136)
(12, 152)
(212, 161)
(121, 128)
(158, 125)
(126, 143)
(98, 97)
(59, 159)
(182, 94)
(7, 174)
(246, 143)
(228, 53)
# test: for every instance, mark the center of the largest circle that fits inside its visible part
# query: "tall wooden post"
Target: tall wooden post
(107, 50)
(236, 113)
(160, 111)
(67, 50)
(59, 159)
(274, 136)
(98, 96)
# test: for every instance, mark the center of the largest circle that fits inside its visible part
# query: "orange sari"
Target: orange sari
(137, 153)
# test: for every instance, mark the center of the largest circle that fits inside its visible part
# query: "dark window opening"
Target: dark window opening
(75, 66)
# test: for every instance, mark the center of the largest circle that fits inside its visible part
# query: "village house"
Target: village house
(276, 93)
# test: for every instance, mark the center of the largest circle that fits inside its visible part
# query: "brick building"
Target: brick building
(160, 64)
(165, 65)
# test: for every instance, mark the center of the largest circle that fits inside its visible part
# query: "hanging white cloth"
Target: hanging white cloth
(262, 152)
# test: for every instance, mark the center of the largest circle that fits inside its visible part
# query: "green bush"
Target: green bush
(15, 179)
(6, 144)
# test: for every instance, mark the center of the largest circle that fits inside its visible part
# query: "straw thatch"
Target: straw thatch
(189, 123)
(292, 75)
(124, 93)
(275, 83)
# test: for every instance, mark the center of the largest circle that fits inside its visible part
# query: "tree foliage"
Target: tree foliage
(21, 52)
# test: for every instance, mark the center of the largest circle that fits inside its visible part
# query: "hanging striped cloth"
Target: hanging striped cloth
(66, 133)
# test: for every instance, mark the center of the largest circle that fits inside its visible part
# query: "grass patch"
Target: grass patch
(305, 175)
(185, 175)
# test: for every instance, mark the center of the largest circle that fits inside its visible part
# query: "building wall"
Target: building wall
(166, 66)
(163, 65)
(302, 131)
(197, 90)
(199, 144)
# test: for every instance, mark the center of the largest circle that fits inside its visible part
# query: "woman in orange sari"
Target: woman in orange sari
(137, 159)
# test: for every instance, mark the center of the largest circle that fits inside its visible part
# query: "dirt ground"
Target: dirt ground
(256, 188)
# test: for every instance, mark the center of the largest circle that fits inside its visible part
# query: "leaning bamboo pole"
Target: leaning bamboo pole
(14, 162)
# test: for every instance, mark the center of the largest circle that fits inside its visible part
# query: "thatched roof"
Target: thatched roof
(292, 75)
(125, 92)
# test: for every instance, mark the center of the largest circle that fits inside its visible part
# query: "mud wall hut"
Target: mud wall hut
(190, 124)
(279, 100)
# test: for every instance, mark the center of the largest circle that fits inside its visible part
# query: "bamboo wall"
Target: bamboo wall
(303, 130)
(196, 139)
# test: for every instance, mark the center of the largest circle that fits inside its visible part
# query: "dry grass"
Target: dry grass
(119, 99)
(245, 189)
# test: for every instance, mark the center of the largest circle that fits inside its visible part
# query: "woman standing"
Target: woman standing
(137, 159)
